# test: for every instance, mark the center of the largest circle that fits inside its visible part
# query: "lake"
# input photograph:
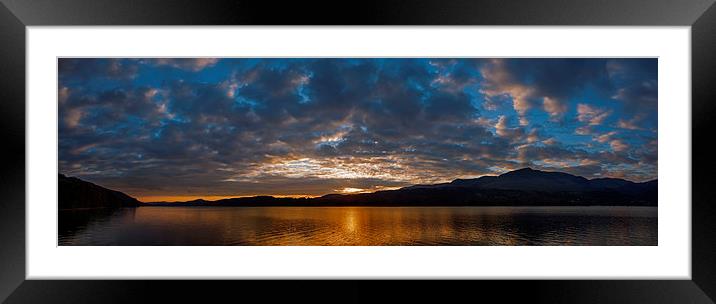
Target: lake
(342, 226)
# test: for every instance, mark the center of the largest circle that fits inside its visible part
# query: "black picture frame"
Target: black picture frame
(15, 16)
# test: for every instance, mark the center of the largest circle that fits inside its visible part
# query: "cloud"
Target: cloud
(591, 115)
(515, 134)
(605, 137)
(83, 69)
(554, 107)
(548, 83)
(72, 118)
(550, 141)
(499, 81)
(583, 130)
(532, 136)
(634, 85)
(501, 126)
(638, 94)
(190, 64)
(631, 124)
(618, 145)
(62, 94)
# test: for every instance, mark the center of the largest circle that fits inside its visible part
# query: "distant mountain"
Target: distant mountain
(74, 193)
(524, 187)
(528, 179)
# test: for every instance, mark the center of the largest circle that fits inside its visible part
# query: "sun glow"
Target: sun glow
(385, 168)
(350, 190)
(186, 198)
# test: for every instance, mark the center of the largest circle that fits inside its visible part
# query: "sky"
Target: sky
(186, 128)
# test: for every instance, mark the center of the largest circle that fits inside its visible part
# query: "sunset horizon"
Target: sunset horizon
(344, 191)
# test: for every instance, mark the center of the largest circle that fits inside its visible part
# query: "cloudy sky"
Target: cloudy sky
(170, 129)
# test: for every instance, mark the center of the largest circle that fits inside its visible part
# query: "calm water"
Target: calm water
(361, 226)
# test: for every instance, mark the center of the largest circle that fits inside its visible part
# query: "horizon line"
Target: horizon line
(213, 198)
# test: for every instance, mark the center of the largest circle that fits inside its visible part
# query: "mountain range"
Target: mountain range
(523, 187)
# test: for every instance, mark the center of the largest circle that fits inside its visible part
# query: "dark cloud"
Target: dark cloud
(190, 64)
(86, 68)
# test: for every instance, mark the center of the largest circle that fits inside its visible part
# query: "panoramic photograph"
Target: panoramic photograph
(357, 151)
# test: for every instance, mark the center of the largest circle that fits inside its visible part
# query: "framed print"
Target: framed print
(545, 147)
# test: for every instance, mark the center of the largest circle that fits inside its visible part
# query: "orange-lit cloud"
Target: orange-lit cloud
(500, 82)
(592, 115)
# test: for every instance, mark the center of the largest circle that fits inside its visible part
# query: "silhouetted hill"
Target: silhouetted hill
(524, 187)
(74, 193)
(528, 179)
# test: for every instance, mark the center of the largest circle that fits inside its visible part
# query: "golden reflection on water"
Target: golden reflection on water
(307, 226)
(351, 223)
